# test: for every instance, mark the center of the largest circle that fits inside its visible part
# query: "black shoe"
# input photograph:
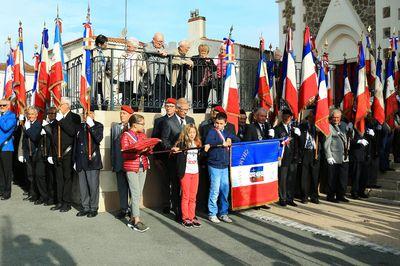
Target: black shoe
(282, 203)
(33, 199)
(355, 196)
(65, 208)
(39, 202)
(57, 207)
(121, 215)
(304, 201)
(7, 197)
(315, 201)
(342, 199)
(82, 213)
(92, 214)
(333, 200)
(187, 224)
(166, 210)
(292, 203)
(49, 203)
(363, 196)
(26, 193)
(266, 207)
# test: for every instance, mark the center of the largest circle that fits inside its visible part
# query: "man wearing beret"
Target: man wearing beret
(116, 159)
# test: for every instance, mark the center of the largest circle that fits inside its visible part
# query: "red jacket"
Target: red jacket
(131, 155)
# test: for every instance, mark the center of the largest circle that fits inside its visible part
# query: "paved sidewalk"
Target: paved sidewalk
(34, 235)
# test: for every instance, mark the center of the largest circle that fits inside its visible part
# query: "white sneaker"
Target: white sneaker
(214, 219)
(225, 218)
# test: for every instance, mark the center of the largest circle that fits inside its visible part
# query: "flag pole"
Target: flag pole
(58, 127)
(88, 93)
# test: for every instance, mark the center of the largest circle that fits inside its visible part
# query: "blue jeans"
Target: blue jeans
(219, 186)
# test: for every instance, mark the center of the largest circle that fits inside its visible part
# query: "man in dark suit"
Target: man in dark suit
(358, 155)
(169, 135)
(288, 164)
(242, 124)
(117, 161)
(87, 160)
(260, 129)
(161, 160)
(67, 124)
(373, 135)
(34, 166)
(309, 149)
(207, 125)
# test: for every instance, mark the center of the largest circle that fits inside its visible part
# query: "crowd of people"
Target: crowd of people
(195, 159)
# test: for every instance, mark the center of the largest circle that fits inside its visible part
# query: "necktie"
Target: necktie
(182, 121)
(309, 145)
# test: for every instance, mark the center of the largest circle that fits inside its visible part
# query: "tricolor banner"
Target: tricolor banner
(254, 173)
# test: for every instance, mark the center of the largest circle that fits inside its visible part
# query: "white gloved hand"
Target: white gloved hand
(349, 126)
(271, 133)
(50, 160)
(362, 142)
(21, 117)
(21, 159)
(331, 161)
(297, 131)
(370, 132)
(59, 116)
(75, 166)
(89, 121)
(44, 123)
(27, 124)
(43, 132)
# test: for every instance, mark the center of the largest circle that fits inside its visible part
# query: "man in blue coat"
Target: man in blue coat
(8, 122)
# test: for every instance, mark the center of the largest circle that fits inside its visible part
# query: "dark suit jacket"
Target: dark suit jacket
(81, 152)
(158, 126)
(171, 131)
(69, 126)
(242, 131)
(312, 130)
(289, 154)
(115, 149)
(254, 132)
(358, 151)
(31, 139)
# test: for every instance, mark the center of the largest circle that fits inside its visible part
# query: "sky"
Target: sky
(249, 18)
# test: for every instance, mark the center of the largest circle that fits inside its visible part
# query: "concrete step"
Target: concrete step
(389, 184)
(384, 193)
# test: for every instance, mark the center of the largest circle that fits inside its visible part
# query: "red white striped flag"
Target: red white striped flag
(263, 87)
(19, 74)
(56, 71)
(289, 92)
(348, 97)
(322, 109)
(362, 99)
(8, 76)
(86, 75)
(391, 104)
(378, 106)
(328, 79)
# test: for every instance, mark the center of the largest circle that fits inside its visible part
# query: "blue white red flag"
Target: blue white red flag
(230, 100)
(289, 92)
(57, 75)
(328, 79)
(308, 88)
(262, 83)
(348, 97)
(322, 108)
(391, 104)
(254, 173)
(19, 74)
(9, 76)
(86, 75)
(44, 70)
(362, 98)
(378, 105)
(396, 72)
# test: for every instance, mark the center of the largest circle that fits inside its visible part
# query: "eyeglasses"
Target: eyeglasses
(184, 109)
(169, 105)
(142, 124)
(3, 105)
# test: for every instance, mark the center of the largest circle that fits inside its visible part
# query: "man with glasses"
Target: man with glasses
(157, 64)
(67, 124)
(162, 159)
(8, 122)
(169, 135)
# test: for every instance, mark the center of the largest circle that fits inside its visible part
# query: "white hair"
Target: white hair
(66, 101)
(134, 41)
(336, 111)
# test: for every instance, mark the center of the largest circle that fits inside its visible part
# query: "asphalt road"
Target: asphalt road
(34, 235)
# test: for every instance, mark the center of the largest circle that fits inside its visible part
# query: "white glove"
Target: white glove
(21, 117)
(21, 159)
(59, 116)
(331, 161)
(370, 132)
(75, 166)
(363, 142)
(89, 121)
(43, 132)
(27, 124)
(271, 133)
(349, 126)
(297, 131)
(50, 160)
(44, 123)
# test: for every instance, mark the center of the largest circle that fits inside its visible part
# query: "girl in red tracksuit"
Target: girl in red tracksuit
(135, 164)
(188, 172)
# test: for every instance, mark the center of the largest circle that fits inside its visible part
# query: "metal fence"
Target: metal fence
(145, 81)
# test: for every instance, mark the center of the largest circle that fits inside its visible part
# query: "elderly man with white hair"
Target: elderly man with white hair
(181, 71)
(157, 66)
(64, 136)
(131, 69)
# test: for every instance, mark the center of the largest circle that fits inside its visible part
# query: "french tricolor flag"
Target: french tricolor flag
(308, 88)
(322, 108)
(262, 86)
(44, 68)
(362, 98)
(396, 72)
(230, 100)
(254, 173)
(378, 106)
(289, 92)
(8, 80)
(328, 79)
(86, 75)
(57, 77)
(19, 74)
(391, 105)
(348, 97)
